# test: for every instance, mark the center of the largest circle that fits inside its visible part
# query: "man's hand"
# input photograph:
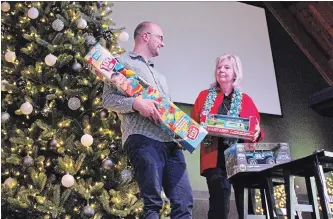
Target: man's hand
(256, 131)
(147, 108)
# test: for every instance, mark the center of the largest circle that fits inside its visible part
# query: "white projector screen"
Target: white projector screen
(195, 34)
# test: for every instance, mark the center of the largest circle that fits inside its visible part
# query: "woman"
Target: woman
(223, 98)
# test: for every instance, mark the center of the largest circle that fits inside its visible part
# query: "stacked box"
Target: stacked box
(174, 121)
(229, 126)
(250, 157)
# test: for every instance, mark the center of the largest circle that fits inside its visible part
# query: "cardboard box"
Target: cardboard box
(174, 121)
(231, 127)
(251, 157)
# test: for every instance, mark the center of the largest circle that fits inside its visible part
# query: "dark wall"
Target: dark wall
(297, 79)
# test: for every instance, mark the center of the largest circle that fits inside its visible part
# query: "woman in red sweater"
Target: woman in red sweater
(223, 98)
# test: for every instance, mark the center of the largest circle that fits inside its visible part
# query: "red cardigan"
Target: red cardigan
(208, 155)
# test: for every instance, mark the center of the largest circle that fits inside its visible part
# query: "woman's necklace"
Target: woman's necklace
(235, 108)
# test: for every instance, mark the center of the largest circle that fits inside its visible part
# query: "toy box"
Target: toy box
(249, 157)
(228, 126)
(174, 121)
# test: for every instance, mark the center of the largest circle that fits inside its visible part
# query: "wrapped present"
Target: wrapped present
(175, 122)
(250, 157)
(229, 126)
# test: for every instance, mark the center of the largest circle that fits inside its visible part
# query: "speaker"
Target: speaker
(322, 102)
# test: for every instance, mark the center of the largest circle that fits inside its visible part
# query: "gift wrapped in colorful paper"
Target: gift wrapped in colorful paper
(174, 121)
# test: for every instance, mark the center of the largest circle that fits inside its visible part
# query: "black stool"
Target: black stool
(264, 181)
(312, 168)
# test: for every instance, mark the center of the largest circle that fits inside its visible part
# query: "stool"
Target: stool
(312, 168)
(263, 181)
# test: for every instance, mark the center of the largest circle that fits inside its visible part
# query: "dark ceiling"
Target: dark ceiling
(310, 25)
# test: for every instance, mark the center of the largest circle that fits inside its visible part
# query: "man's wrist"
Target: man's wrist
(134, 105)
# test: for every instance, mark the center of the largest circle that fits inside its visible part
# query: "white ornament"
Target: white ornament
(10, 56)
(5, 6)
(50, 59)
(107, 9)
(81, 24)
(4, 116)
(33, 13)
(87, 140)
(123, 36)
(4, 84)
(10, 182)
(58, 25)
(74, 103)
(67, 180)
(26, 108)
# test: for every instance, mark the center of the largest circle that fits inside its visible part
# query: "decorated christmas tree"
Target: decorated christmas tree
(61, 151)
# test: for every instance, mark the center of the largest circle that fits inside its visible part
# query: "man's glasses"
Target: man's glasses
(158, 36)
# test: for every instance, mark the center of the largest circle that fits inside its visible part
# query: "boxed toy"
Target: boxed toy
(228, 126)
(174, 121)
(249, 157)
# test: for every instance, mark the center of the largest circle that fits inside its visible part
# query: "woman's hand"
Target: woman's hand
(256, 131)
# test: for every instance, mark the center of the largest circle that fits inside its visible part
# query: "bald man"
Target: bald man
(157, 161)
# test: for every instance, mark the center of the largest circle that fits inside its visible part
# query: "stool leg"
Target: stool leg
(299, 215)
(252, 201)
(241, 198)
(290, 196)
(263, 202)
(322, 190)
(246, 203)
(312, 196)
(270, 197)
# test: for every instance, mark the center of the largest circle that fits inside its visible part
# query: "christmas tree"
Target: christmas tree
(60, 149)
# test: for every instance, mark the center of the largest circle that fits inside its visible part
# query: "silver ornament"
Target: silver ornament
(107, 164)
(58, 25)
(27, 161)
(88, 211)
(113, 147)
(74, 103)
(52, 143)
(90, 40)
(77, 67)
(104, 114)
(126, 175)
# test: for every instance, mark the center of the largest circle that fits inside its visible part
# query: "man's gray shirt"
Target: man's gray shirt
(131, 121)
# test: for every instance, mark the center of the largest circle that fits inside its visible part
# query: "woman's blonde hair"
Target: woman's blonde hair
(236, 65)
